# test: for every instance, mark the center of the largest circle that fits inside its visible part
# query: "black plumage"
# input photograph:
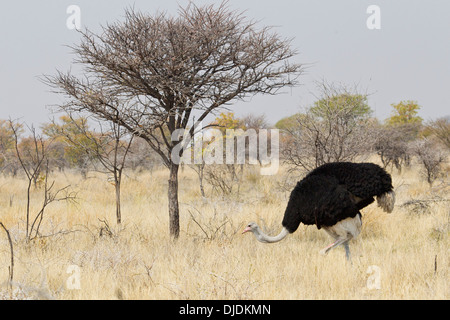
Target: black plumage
(334, 192)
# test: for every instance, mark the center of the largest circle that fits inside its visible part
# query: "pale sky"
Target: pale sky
(408, 58)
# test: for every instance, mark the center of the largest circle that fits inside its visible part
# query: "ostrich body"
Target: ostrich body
(330, 197)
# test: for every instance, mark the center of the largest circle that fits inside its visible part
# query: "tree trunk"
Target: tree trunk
(174, 217)
(118, 212)
(200, 173)
(27, 235)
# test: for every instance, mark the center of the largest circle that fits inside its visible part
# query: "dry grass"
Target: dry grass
(212, 260)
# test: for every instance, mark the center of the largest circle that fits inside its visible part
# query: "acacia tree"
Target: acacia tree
(405, 112)
(151, 73)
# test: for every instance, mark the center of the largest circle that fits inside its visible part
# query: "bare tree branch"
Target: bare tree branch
(11, 267)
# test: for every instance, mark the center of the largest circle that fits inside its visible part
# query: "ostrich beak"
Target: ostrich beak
(247, 230)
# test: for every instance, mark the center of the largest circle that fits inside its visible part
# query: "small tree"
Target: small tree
(225, 177)
(431, 157)
(289, 123)
(35, 164)
(142, 156)
(333, 129)
(350, 105)
(440, 128)
(405, 112)
(8, 161)
(392, 143)
(221, 176)
(257, 123)
(109, 147)
(11, 249)
(151, 73)
(198, 166)
(70, 133)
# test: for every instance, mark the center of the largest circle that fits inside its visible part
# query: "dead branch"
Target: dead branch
(11, 267)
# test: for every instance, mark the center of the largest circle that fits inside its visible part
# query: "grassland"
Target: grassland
(212, 259)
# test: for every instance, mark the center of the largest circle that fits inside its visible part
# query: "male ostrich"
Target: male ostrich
(330, 197)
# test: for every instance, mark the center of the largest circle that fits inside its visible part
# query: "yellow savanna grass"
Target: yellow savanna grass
(405, 251)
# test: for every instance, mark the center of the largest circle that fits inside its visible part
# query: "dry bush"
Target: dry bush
(440, 128)
(224, 179)
(335, 128)
(430, 157)
(212, 224)
(392, 144)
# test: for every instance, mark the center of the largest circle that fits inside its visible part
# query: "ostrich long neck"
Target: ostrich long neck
(262, 237)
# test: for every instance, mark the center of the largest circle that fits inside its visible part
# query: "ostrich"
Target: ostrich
(330, 197)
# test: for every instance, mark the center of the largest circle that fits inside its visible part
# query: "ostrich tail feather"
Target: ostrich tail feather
(386, 201)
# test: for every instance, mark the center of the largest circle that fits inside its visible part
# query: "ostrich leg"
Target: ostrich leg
(347, 251)
(334, 244)
(343, 232)
(338, 242)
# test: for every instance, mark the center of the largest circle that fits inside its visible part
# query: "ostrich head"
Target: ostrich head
(261, 236)
(251, 227)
